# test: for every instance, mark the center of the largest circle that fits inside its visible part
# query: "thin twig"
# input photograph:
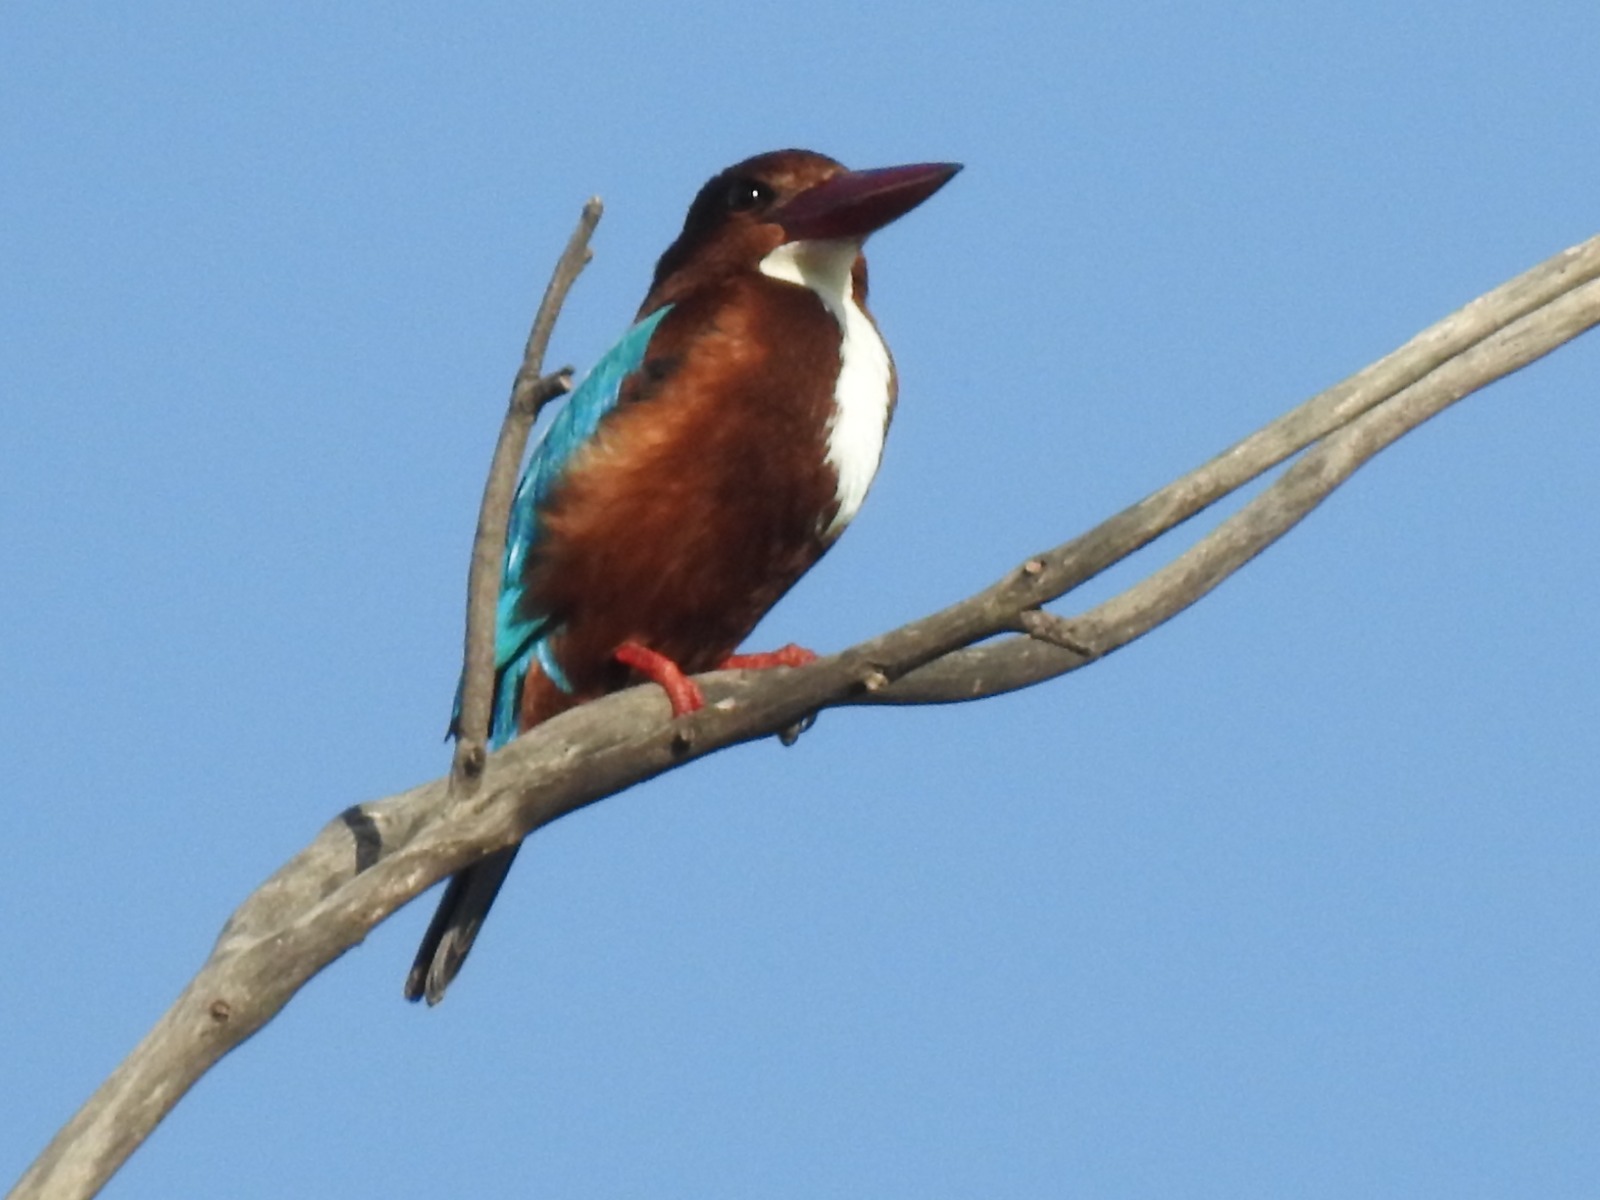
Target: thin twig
(530, 392)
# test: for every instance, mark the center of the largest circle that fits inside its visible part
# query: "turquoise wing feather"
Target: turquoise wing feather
(522, 635)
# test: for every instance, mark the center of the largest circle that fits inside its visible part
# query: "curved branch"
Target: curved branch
(375, 857)
(1497, 334)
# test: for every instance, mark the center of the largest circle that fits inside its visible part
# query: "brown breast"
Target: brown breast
(704, 494)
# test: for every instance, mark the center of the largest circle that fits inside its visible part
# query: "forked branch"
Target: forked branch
(375, 857)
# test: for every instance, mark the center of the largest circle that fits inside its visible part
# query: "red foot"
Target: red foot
(790, 656)
(682, 691)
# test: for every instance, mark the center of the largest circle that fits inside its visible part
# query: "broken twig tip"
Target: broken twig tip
(790, 734)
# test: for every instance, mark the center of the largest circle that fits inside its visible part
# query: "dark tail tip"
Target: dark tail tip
(455, 926)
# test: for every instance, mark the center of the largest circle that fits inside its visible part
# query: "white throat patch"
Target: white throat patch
(861, 394)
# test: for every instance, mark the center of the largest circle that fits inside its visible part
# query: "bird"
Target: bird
(704, 464)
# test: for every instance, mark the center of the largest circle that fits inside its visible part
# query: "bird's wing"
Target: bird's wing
(521, 633)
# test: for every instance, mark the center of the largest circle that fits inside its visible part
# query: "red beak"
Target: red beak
(855, 203)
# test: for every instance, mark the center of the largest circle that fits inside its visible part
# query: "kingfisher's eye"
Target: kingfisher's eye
(747, 194)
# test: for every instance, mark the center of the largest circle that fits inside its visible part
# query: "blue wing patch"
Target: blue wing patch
(521, 635)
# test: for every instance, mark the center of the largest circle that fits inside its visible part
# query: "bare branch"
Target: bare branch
(375, 857)
(1497, 334)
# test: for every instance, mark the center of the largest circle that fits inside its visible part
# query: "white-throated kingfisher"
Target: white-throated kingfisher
(704, 464)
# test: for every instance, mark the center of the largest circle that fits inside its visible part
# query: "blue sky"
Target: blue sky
(1297, 896)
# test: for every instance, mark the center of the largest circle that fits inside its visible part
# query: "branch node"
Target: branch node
(1058, 631)
(530, 394)
(221, 1011)
(470, 759)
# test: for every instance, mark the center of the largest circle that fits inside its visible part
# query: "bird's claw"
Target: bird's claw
(682, 692)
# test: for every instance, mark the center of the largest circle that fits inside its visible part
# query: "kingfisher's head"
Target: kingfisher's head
(755, 207)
